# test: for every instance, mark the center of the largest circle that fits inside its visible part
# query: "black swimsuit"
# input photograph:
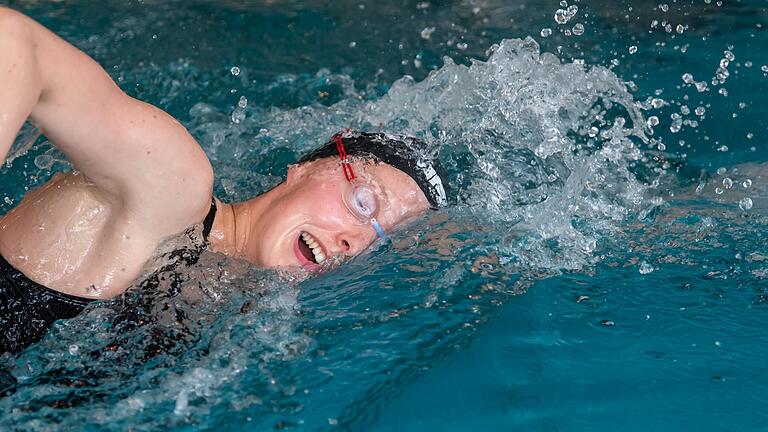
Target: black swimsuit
(28, 309)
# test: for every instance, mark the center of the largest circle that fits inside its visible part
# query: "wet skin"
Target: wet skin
(143, 178)
(69, 236)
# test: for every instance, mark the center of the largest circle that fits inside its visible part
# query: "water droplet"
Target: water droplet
(646, 268)
(632, 49)
(578, 29)
(427, 33)
(546, 32)
(745, 203)
(727, 183)
(561, 17)
(235, 70)
(747, 183)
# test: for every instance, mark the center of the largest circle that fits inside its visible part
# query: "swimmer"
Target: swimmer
(141, 178)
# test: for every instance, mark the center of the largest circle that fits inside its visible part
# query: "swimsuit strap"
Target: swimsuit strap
(208, 221)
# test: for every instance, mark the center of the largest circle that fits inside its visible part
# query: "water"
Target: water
(604, 264)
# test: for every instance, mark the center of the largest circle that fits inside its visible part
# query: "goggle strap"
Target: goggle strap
(378, 228)
(345, 165)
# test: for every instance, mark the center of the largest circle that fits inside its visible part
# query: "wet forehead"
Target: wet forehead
(404, 198)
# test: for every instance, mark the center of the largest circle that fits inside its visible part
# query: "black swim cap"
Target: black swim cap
(399, 151)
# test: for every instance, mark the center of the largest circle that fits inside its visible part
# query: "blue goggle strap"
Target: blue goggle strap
(378, 228)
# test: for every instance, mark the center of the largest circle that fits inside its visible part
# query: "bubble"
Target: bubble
(748, 64)
(722, 148)
(727, 183)
(578, 29)
(593, 132)
(462, 45)
(352, 44)
(653, 121)
(700, 111)
(729, 55)
(243, 102)
(664, 7)
(724, 63)
(684, 110)
(746, 184)
(764, 68)
(426, 33)
(680, 29)
(235, 71)
(745, 203)
(701, 86)
(632, 49)
(73, 349)
(750, 135)
(571, 11)
(646, 268)
(657, 103)
(721, 170)
(723, 92)
(687, 78)
(718, 191)
(546, 32)
(561, 16)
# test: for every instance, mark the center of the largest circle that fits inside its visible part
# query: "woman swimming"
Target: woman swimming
(141, 177)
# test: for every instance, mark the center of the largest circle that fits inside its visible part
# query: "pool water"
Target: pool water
(604, 264)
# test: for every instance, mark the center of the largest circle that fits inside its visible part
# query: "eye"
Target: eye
(363, 202)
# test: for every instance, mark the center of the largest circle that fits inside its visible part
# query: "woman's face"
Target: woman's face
(318, 214)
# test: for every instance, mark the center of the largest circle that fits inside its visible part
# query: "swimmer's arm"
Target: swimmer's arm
(134, 151)
(19, 82)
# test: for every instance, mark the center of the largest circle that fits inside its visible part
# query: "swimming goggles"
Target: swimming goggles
(360, 199)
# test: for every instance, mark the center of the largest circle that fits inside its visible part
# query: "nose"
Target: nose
(352, 242)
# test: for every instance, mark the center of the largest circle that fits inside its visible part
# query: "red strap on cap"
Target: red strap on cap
(348, 172)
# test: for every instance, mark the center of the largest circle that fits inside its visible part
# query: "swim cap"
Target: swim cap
(399, 151)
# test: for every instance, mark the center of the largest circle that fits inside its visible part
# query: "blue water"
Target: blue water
(581, 281)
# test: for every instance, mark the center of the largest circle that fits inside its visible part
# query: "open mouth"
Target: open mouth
(309, 249)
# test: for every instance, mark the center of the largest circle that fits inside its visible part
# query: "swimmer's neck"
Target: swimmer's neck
(235, 227)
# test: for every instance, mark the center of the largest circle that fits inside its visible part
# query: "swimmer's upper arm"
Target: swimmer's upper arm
(134, 151)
